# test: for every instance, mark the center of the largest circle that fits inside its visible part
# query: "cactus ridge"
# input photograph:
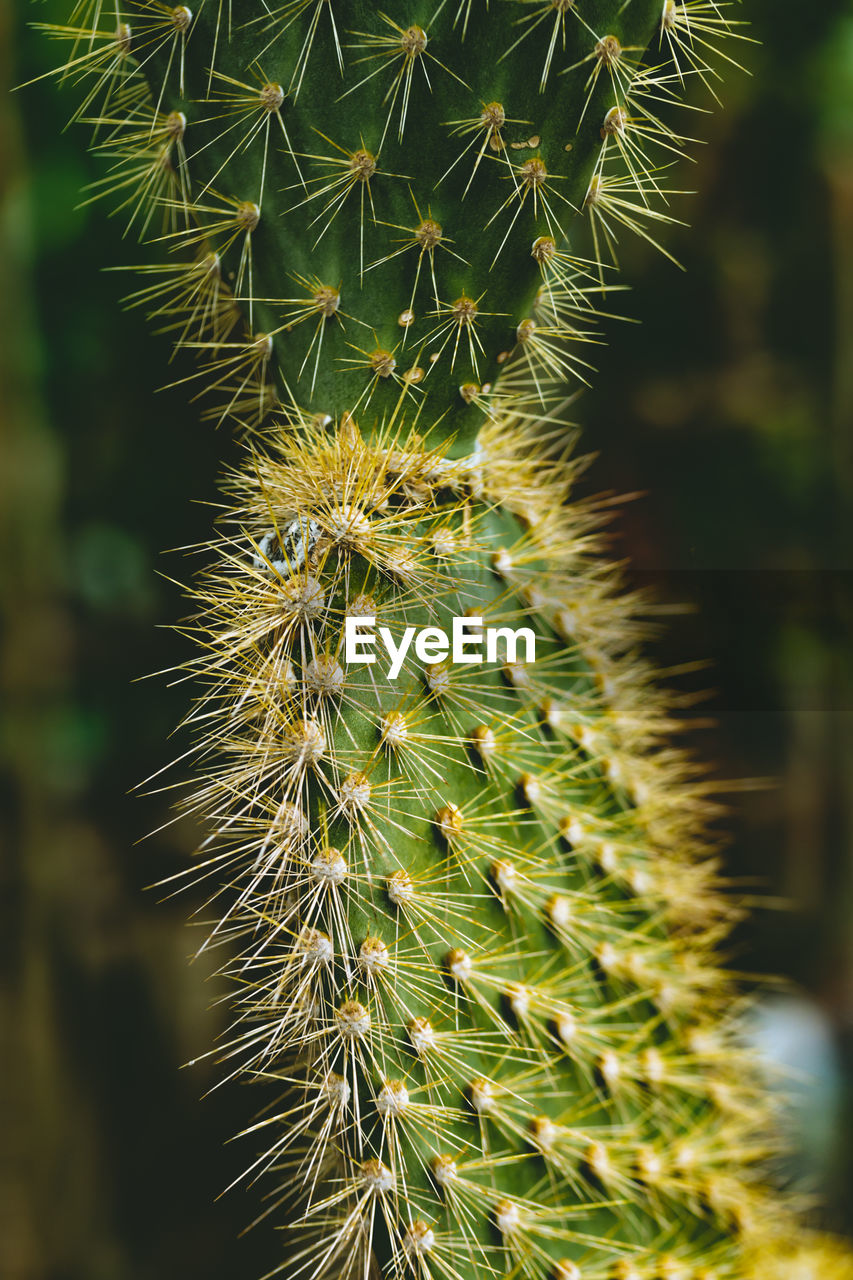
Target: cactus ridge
(471, 915)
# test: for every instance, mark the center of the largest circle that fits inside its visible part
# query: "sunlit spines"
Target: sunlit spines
(697, 33)
(546, 21)
(243, 111)
(189, 300)
(402, 51)
(100, 61)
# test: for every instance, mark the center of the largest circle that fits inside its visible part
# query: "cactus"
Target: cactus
(467, 890)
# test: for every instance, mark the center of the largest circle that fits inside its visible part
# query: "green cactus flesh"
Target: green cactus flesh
(471, 912)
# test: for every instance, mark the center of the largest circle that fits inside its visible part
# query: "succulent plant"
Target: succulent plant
(463, 874)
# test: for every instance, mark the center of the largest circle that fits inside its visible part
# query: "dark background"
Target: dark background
(729, 407)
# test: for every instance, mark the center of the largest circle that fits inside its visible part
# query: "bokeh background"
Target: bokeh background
(729, 408)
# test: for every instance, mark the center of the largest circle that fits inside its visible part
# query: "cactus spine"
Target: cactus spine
(471, 913)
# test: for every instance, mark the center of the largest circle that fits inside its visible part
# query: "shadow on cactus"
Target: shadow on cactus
(463, 878)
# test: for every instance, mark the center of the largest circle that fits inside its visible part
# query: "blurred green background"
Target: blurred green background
(729, 406)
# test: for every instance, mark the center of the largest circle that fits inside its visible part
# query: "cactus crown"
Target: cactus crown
(471, 912)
